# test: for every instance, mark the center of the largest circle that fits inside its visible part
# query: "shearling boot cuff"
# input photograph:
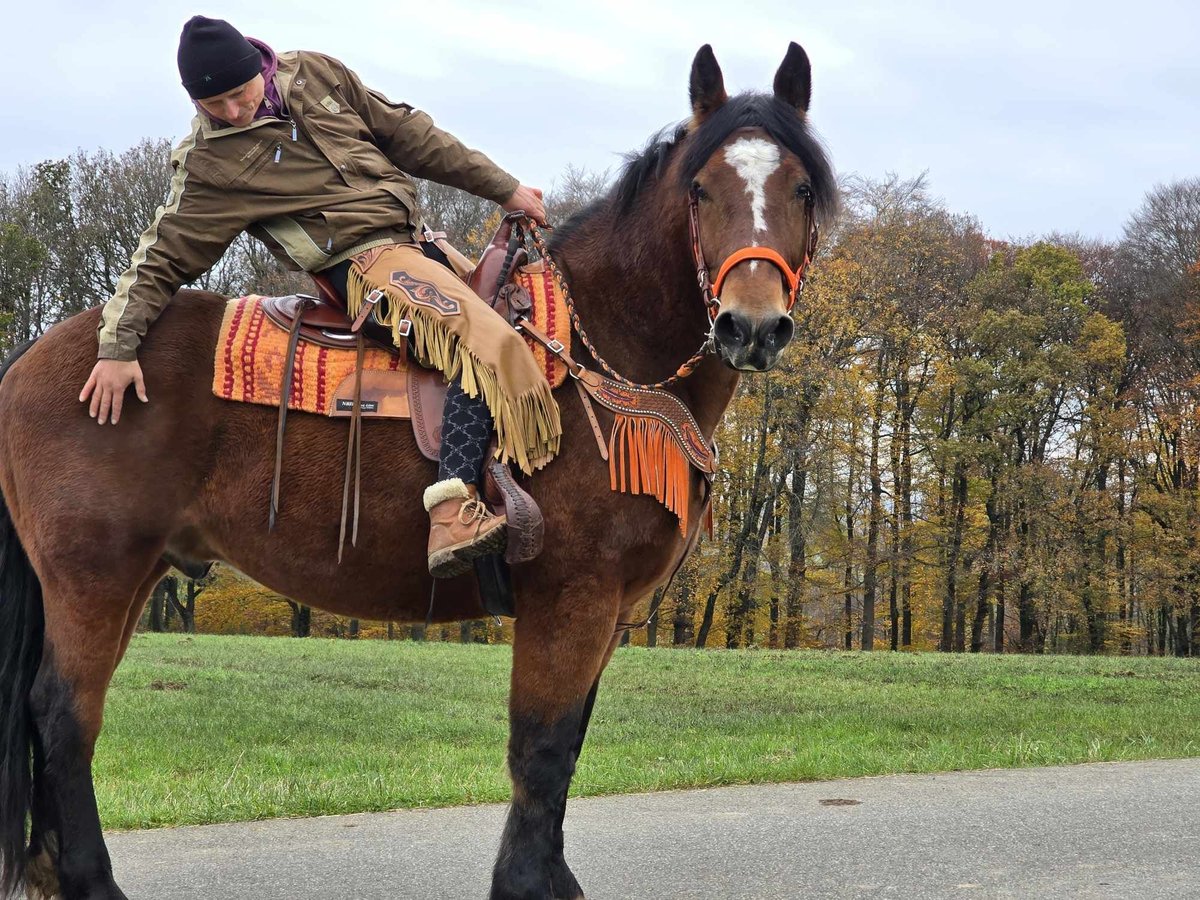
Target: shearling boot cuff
(441, 491)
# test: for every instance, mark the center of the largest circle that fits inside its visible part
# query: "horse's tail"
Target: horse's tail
(21, 632)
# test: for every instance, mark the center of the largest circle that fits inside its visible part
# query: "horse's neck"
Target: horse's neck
(634, 283)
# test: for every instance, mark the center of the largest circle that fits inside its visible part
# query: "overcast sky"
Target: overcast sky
(1034, 116)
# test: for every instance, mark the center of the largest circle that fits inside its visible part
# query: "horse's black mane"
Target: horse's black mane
(750, 110)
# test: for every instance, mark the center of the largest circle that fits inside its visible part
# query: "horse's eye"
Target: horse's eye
(803, 192)
(699, 191)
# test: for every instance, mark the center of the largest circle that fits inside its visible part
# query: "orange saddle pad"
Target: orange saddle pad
(250, 358)
(252, 350)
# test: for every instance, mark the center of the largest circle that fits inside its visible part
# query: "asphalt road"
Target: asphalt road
(1124, 831)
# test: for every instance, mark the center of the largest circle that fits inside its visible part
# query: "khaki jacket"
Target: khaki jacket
(329, 182)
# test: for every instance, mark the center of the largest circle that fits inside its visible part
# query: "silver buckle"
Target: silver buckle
(404, 328)
(556, 346)
(374, 296)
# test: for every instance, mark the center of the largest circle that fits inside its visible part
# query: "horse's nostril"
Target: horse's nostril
(732, 330)
(777, 334)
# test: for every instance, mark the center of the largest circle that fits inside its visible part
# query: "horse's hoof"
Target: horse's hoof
(563, 882)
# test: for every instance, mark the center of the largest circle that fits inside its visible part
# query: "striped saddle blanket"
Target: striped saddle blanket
(252, 352)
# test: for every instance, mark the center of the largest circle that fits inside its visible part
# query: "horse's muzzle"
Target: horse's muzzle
(749, 345)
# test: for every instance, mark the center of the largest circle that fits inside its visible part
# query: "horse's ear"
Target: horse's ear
(707, 86)
(793, 81)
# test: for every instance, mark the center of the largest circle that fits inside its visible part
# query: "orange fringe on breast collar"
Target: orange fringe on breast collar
(645, 458)
(654, 445)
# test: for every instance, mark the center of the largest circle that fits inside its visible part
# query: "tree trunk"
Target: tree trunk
(187, 617)
(740, 629)
(685, 611)
(958, 503)
(745, 528)
(158, 602)
(848, 571)
(998, 641)
(798, 560)
(906, 525)
(652, 623)
(871, 572)
(986, 563)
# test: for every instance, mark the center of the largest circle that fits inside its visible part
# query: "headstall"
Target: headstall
(711, 290)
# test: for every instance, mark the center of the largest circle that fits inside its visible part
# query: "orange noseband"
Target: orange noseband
(794, 279)
(712, 290)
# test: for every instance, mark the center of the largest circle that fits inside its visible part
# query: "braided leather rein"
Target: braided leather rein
(535, 234)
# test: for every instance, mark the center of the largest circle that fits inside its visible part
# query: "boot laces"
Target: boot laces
(473, 512)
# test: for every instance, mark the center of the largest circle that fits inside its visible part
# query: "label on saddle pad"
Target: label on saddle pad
(366, 406)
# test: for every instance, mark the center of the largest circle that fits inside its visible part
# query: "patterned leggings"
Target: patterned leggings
(466, 433)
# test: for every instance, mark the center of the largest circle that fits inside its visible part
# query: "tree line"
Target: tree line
(971, 445)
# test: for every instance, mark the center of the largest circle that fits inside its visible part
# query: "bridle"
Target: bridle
(711, 289)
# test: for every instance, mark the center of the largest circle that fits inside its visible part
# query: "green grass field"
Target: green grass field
(220, 729)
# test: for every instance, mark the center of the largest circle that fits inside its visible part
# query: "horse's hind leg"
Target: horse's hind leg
(85, 639)
(559, 650)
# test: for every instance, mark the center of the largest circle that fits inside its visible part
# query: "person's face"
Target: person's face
(237, 106)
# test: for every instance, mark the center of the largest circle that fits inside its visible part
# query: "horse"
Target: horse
(93, 516)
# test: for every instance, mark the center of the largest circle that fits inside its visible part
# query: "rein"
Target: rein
(576, 370)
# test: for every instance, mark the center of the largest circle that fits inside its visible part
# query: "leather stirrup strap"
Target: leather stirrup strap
(285, 396)
(353, 457)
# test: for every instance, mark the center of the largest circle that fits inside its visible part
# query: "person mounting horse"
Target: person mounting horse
(294, 149)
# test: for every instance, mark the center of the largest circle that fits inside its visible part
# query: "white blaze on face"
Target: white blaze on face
(754, 159)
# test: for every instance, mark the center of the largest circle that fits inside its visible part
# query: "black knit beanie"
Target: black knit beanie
(214, 57)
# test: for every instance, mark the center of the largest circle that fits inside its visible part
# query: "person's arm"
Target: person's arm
(410, 140)
(189, 234)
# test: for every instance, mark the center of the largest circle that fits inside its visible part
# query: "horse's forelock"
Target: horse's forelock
(645, 168)
(783, 124)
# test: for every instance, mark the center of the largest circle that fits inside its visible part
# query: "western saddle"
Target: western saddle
(323, 320)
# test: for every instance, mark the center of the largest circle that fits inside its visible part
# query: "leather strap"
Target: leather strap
(353, 457)
(578, 373)
(368, 304)
(285, 395)
(555, 347)
(592, 420)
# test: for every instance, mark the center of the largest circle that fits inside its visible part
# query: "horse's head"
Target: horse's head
(757, 181)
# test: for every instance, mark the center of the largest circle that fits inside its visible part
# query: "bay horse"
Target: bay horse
(94, 515)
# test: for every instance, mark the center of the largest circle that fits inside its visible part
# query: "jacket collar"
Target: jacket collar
(291, 91)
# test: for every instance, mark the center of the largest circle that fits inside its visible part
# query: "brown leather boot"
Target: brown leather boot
(461, 527)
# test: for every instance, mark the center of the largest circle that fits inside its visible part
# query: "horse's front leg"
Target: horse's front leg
(559, 650)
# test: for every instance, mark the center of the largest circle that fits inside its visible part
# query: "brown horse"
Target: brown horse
(95, 514)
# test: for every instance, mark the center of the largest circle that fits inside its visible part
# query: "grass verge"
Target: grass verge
(221, 729)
